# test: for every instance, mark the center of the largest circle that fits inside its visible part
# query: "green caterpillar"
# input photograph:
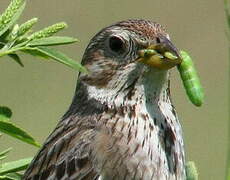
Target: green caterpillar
(191, 80)
(185, 66)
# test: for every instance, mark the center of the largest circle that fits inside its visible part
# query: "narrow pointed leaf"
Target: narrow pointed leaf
(2, 157)
(17, 59)
(15, 176)
(62, 58)
(11, 15)
(15, 166)
(4, 36)
(11, 129)
(3, 178)
(5, 113)
(52, 41)
(35, 52)
(13, 33)
(5, 152)
(11, 176)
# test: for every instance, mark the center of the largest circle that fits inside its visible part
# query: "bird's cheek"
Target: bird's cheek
(99, 79)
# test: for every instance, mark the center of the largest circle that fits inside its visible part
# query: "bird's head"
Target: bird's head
(126, 53)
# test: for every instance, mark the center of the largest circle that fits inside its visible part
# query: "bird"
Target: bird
(121, 124)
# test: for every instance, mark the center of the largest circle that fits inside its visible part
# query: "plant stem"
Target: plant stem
(10, 51)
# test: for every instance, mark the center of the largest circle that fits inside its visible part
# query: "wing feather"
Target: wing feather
(66, 153)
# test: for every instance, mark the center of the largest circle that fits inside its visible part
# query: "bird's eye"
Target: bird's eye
(158, 40)
(116, 44)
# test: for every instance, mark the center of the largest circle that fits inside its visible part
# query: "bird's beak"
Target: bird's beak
(163, 55)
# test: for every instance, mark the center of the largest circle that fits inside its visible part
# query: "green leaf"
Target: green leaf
(11, 129)
(11, 15)
(5, 152)
(4, 36)
(60, 57)
(52, 41)
(35, 52)
(3, 178)
(11, 176)
(13, 33)
(5, 113)
(17, 59)
(15, 166)
(2, 157)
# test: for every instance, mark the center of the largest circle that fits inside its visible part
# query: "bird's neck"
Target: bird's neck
(151, 86)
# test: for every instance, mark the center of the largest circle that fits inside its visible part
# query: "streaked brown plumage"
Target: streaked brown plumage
(121, 123)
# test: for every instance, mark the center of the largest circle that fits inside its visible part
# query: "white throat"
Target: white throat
(151, 85)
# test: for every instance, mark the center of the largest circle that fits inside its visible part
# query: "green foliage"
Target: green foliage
(191, 171)
(10, 168)
(11, 176)
(11, 15)
(7, 127)
(16, 38)
(48, 31)
(52, 41)
(13, 130)
(16, 58)
(5, 113)
(59, 56)
(25, 27)
(4, 153)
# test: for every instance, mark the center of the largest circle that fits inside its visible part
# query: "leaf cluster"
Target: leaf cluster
(15, 38)
(11, 170)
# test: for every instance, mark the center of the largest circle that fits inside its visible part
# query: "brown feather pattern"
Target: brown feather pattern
(121, 123)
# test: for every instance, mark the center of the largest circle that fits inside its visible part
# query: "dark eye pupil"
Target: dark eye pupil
(158, 40)
(116, 44)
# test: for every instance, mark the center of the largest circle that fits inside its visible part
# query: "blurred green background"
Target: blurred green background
(41, 92)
